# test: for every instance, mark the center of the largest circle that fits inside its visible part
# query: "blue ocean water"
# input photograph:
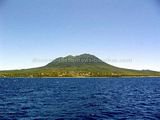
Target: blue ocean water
(80, 98)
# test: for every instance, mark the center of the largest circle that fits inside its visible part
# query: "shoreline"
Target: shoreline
(89, 77)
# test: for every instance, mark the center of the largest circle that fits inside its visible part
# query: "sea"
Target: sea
(80, 98)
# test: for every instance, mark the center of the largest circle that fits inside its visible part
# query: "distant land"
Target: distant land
(84, 65)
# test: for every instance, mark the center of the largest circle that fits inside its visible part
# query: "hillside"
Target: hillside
(84, 65)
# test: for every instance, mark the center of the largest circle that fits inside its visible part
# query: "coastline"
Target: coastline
(89, 77)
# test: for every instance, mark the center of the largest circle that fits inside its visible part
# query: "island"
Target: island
(84, 65)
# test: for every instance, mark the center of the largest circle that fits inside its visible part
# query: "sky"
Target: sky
(124, 33)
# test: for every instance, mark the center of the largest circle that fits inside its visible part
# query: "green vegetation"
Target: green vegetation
(84, 65)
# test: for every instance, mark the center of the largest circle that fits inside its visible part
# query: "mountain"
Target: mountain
(75, 61)
(84, 65)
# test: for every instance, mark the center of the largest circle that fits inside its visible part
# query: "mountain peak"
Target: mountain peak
(81, 55)
(70, 60)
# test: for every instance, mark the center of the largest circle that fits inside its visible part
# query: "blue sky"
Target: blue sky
(125, 33)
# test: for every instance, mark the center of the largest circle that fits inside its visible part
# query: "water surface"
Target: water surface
(80, 98)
